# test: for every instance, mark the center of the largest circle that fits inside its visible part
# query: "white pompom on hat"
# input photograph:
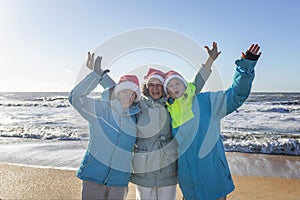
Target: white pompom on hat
(170, 75)
(129, 82)
(155, 73)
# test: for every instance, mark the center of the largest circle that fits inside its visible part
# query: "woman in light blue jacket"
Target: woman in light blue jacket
(203, 171)
(107, 164)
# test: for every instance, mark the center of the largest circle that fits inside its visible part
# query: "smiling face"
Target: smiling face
(155, 88)
(176, 88)
(126, 98)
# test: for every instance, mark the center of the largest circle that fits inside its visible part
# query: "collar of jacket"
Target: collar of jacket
(181, 109)
(151, 102)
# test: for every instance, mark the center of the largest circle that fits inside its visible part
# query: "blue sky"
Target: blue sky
(44, 43)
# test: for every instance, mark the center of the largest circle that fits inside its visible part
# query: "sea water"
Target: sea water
(42, 128)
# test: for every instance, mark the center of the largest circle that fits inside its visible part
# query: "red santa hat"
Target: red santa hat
(155, 73)
(170, 75)
(129, 82)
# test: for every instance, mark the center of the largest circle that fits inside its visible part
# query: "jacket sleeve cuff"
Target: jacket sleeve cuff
(245, 66)
(106, 81)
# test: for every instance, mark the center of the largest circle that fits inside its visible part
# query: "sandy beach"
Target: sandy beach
(25, 182)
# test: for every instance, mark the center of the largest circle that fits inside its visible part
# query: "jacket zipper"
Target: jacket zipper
(119, 132)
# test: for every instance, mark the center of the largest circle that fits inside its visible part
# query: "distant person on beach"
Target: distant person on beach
(203, 171)
(155, 154)
(107, 165)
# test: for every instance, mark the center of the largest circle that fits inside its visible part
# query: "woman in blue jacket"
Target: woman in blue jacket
(107, 165)
(203, 171)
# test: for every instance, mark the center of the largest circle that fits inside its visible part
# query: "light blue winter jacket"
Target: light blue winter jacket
(112, 133)
(203, 171)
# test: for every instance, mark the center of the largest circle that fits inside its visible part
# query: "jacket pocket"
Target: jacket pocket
(224, 168)
(86, 160)
(87, 165)
(144, 161)
(168, 160)
(168, 154)
(139, 162)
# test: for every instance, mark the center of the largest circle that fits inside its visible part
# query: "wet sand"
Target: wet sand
(265, 188)
(25, 182)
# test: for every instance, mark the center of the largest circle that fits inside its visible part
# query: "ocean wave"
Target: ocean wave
(234, 141)
(57, 98)
(266, 123)
(276, 110)
(295, 102)
(290, 119)
(44, 132)
(276, 98)
(26, 104)
(267, 143)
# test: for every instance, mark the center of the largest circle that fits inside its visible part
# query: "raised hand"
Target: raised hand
(213, 53)
(252, 53)
(97, 66)
(90, 61)
(94, 65)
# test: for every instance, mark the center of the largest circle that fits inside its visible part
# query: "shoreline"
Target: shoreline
(68, 155)
(265, 165)
(20, 181)
(25, 182)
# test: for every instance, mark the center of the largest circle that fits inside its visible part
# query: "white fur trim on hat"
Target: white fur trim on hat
(128, 85)
(160, 78)
(170, 78)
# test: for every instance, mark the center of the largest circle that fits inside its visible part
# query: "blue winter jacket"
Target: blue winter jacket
(203, 171)
(112, 134)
